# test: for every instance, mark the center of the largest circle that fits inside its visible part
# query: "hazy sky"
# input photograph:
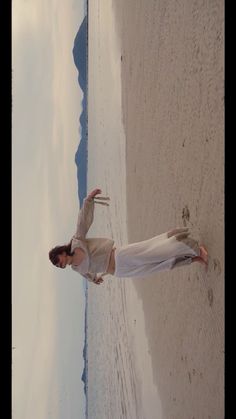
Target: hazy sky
(48, 303)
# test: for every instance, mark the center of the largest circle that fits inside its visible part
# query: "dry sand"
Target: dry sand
(173, 112)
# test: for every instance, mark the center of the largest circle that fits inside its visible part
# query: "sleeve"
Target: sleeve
(85, 218)
(90, 277)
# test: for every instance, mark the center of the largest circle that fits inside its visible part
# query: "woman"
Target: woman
(90, 256)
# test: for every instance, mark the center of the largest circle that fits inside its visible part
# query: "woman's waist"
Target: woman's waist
(99, 260)
(111, 264)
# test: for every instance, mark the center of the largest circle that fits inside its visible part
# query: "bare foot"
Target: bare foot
(202, 258)
(203, 254)
(198, 259)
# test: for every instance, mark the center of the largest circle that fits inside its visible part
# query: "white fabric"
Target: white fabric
(154, 255)
(97, 255)
(97, 250)
(83, 267)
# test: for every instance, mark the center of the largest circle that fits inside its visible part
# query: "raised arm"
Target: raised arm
(86, 214)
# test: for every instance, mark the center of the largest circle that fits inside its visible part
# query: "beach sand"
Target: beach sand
(156, 147)
(172, 72)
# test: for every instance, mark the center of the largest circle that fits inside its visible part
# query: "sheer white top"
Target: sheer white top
(97, 250)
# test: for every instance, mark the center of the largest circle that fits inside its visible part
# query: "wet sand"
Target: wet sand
(172, 70)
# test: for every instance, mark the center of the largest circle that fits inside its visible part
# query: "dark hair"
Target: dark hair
(58, 250)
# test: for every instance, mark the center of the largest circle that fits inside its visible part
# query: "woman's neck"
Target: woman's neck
(69, 259)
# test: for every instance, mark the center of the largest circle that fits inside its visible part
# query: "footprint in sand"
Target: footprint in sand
(185, 215)
(210, 296)
(216, 266)
(189, 377)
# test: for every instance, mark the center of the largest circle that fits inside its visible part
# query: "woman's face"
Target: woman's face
(62, 260)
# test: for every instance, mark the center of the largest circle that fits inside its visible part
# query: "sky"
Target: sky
(47, 303)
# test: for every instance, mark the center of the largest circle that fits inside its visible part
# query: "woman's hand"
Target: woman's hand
(94, 193)
(98, 280)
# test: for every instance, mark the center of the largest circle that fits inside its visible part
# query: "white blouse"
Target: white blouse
(97, 250)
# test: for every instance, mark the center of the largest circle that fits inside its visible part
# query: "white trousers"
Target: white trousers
(163, 252)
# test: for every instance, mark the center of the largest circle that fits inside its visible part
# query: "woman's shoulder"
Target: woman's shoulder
(77, 242)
